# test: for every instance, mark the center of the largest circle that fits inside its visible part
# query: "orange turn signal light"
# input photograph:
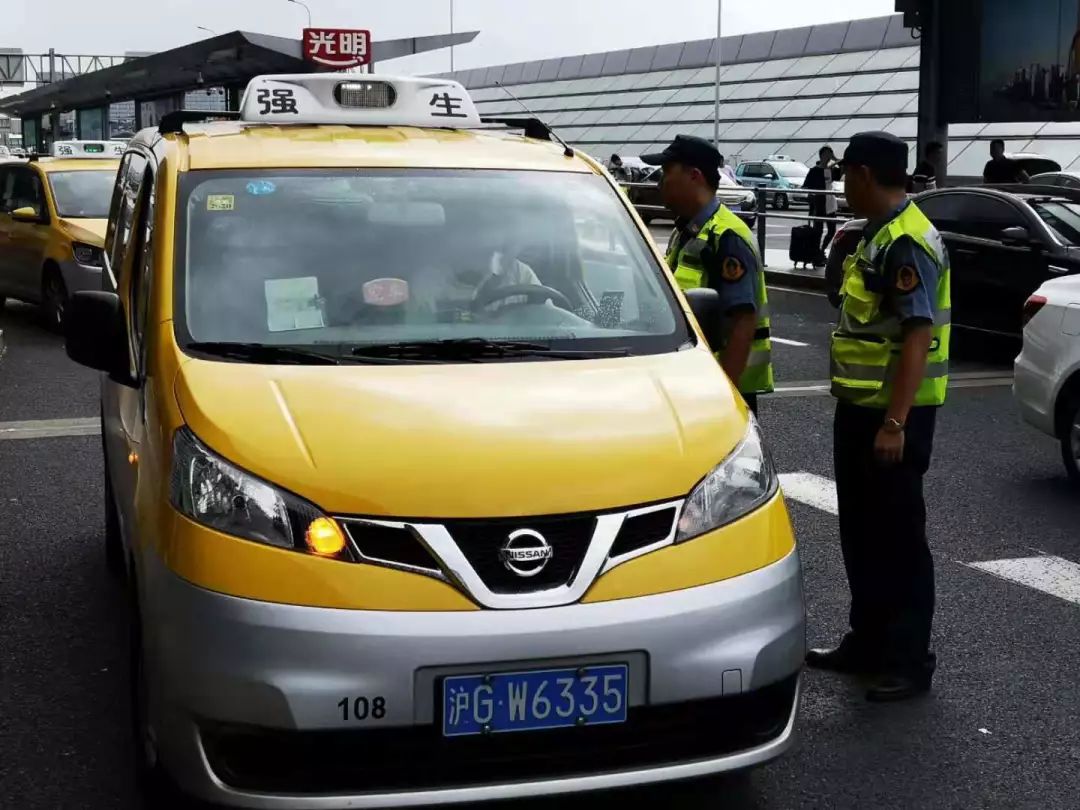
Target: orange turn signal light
(324, 538)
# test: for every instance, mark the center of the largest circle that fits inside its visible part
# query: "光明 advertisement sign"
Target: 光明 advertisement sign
(337, 48)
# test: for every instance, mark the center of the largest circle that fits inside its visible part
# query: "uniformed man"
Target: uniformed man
(890, 366)
(712, 247)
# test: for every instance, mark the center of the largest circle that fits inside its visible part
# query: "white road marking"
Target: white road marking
(1053, 575)
(50, 428)
(794, 291)
(786, 342)
(961, 379)
(812, 490)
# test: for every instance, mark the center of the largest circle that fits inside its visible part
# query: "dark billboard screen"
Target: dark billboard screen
(1030, 60)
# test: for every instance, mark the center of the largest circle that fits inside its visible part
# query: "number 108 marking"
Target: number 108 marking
(362, 708)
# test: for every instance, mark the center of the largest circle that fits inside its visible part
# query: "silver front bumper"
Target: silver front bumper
(218, 659)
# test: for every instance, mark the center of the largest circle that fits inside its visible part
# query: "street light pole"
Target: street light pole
(308, 10)
(716, 103)
(451, 36)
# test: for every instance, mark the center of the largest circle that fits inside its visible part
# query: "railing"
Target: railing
(761, 214)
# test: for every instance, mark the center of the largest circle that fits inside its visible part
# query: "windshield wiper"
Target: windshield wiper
(478, 349)
(262, 353)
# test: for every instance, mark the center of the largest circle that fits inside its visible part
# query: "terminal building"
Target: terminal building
(788, 92)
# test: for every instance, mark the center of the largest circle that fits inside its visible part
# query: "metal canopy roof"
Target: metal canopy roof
(226, 59)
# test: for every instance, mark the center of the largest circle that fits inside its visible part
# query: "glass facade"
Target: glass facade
(774, 100)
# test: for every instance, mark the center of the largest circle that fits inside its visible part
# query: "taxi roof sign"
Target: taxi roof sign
(358, 100)
(99, 150)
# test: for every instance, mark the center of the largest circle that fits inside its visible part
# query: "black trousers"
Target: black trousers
(751, 402)
(883, 536)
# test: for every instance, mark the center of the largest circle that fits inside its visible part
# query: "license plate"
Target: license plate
(531, 701)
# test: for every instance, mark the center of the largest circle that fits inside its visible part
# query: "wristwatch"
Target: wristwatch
(893, 425)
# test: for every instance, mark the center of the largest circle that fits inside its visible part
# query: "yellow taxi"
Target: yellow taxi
(52, 224)
(424, 480)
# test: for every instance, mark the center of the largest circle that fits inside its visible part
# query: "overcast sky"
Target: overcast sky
(511, 30)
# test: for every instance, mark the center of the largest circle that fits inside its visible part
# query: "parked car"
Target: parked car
(782, 175)
(1058, 179)
(1034, 164)
(649, 204)
(1003, 242)
(1047, 379)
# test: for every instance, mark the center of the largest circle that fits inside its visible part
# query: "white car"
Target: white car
(1047, 380)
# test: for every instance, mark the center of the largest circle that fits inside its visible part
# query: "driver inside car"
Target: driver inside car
(488, 268)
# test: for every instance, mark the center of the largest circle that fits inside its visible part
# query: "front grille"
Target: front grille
(641, 531)
(390, 545)
(386, 760)
(482, 541)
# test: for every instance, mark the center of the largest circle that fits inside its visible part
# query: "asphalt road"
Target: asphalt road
(1001, 729)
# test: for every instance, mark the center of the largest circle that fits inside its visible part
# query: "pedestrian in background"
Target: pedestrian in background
(726, 170)
(890, 366)
(924, 178)
(618, 171)
(712, 247)
(1001, 169)
(821, 178)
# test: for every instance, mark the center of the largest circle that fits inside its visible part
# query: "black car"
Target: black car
(1003, 243)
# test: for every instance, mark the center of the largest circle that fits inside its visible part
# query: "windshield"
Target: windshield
(348, 259)
(1062, 217)
(792, 171)
(83, 194)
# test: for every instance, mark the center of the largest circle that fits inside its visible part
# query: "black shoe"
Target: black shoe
(848, 658)
(894, 687)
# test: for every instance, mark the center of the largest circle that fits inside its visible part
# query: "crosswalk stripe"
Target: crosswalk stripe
(1053, 575)
(812, 490)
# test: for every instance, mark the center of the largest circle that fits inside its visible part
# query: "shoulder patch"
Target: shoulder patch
(732, 269)
(907, 279)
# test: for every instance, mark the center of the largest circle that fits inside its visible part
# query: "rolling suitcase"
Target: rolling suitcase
(804, 246)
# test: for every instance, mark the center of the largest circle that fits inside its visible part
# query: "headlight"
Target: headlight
(87, 254)
(744, 481)
(221, 496)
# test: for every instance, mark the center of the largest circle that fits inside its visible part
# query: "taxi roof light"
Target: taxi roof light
(94, 150)
(365, 95)
(373, 100)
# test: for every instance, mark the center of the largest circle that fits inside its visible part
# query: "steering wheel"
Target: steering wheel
(532, 292)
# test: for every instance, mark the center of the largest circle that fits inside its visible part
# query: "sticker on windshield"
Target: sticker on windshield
(293, 303)
(260, 188)
(220, 202)
(386, 292)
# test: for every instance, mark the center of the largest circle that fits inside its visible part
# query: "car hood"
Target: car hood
(91, 231)
(476, 440)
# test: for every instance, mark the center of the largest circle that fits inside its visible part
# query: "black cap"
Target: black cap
(688, 150)
(877, 150)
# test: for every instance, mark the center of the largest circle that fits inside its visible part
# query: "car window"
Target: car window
(1062, 217)
(141, 264)
(356, 258)
(125, 196)
(975, 215)
(82, 194)
(7, 179)
(791, 171)
(26, 191)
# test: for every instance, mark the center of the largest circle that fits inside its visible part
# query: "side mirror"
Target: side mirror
(1017, 236)
(95, 334)
(705, 304)
(26, 214)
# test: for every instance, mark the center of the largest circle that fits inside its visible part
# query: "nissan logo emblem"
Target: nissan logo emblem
(526, 553)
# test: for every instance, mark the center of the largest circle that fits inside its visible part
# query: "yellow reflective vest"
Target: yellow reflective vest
(690, 273)
(867, 342)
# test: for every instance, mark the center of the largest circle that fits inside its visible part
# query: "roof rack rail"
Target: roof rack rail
(174, 121)
(534, 128)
